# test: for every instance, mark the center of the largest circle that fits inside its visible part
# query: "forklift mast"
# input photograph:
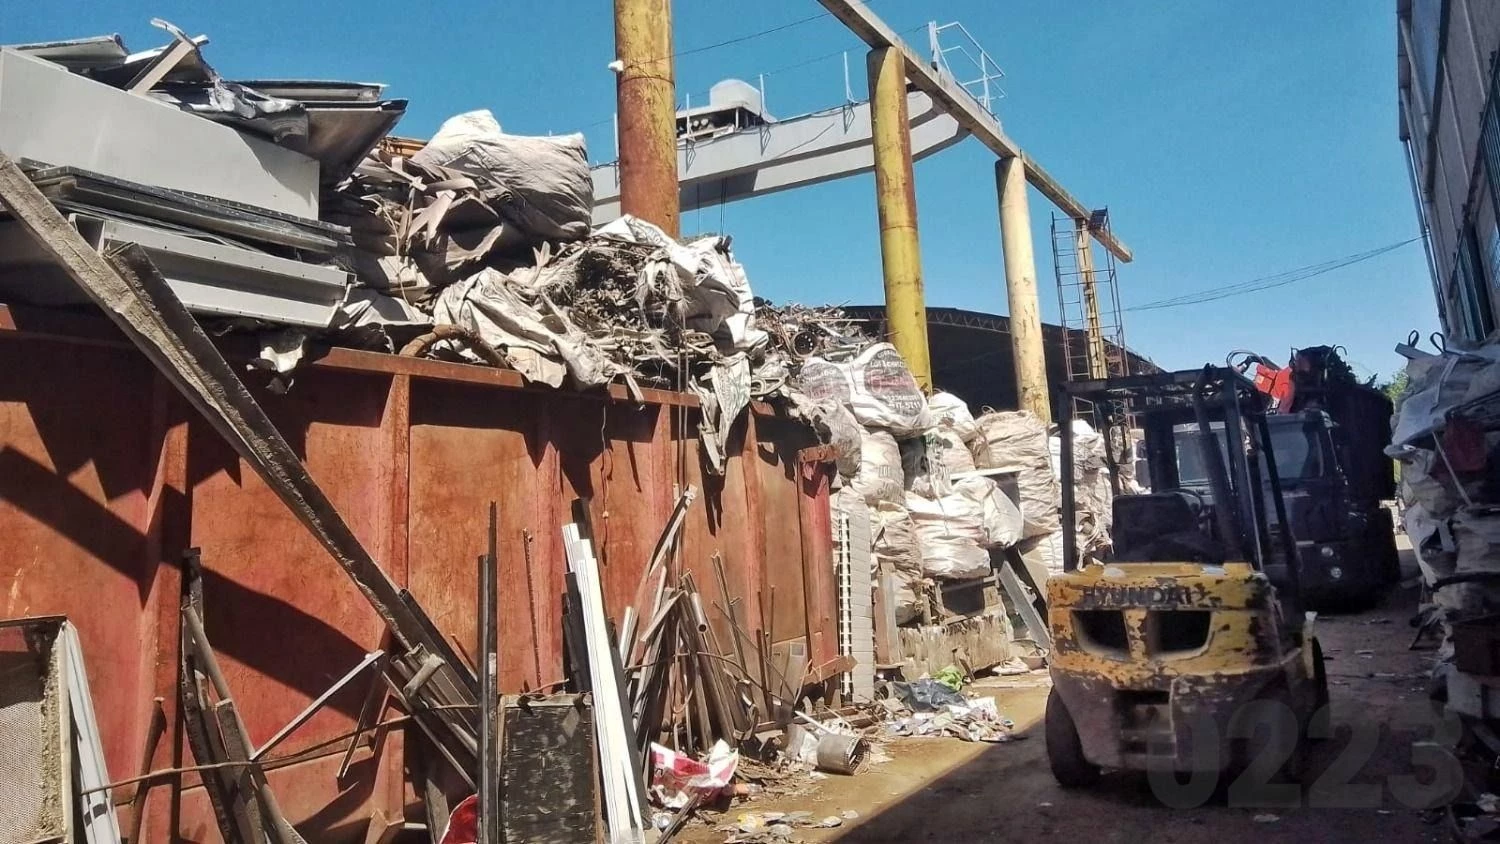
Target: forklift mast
(1243, 477)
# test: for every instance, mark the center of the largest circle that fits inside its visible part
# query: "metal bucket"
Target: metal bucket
(841, 754)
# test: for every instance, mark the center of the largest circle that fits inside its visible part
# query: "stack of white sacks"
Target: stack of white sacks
(1017, 441)
(932, 518)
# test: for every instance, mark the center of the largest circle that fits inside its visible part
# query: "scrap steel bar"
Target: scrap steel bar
(967, 111)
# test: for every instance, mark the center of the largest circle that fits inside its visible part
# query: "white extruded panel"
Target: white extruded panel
(59, 118)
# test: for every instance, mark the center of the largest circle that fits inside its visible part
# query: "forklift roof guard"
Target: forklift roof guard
(1210, 391)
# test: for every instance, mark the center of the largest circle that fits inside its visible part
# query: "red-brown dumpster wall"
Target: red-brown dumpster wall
(106, 478)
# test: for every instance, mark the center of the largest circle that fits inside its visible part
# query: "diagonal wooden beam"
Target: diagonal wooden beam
(967, 111)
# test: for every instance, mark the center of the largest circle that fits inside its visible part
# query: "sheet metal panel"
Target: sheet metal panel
(270, 589)
(74, 483)
(50, 115)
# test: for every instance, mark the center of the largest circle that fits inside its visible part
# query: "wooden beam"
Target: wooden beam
(966, 110)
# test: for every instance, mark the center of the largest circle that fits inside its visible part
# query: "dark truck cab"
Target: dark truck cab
(1344, 535)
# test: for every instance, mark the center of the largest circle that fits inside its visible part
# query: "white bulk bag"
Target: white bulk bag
(884, 394)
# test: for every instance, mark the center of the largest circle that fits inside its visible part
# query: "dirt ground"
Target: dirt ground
(943, 789)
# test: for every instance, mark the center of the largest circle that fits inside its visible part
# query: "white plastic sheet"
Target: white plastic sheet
(547, 178)
(1092, 492)
(544, 348)
(713, 295)
(955, 530)
(951, 412)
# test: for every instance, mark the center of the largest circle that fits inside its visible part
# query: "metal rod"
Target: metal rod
(366, 713)
(154, 732)
(489, 804)
(312, 708)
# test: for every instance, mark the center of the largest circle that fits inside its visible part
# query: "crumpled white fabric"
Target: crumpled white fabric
(951, 411)
(710, 288)
(545, 348)
(955, 530)
(1016, 441)
(547, 178)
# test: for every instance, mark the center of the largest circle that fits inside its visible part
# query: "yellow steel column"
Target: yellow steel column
(896, 200)
(1020, 287)
(646, 98)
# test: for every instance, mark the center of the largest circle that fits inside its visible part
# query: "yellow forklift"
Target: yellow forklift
(1167, 647)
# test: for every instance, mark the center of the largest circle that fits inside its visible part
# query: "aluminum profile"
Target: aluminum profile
(211, 279)
(49, 114)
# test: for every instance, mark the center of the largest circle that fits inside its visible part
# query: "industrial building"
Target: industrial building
(1450, 123)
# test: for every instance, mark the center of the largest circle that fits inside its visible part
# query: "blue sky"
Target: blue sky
(1230, 140)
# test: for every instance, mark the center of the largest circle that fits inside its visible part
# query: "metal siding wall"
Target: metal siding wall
(283, 619)
(1485, 16)
(76, 472)
(90, 506)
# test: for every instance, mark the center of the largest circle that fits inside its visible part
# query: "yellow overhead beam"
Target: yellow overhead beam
(967, 111)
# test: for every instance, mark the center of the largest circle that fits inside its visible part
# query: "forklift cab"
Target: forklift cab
(1210, 425)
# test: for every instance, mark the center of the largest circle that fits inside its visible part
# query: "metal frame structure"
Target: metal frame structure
(1088, 301)
(970, 113)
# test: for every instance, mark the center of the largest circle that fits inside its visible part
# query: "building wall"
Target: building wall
(1449, 121)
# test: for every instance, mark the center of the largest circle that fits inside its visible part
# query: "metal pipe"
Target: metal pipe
(646, 98)
(1020, 288)
(1246, 485)
(1069, 493)
(1284, 535)
(1213, 464)
(896, 200)
(1093, 327)
(489, 796)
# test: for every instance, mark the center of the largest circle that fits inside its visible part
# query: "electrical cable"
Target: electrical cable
(1280, 279)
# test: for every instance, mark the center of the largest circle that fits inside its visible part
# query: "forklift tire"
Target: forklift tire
(1064, 749)
(1320, 723)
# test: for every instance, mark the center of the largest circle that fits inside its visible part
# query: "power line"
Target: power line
(1280, 279)
(750, 37)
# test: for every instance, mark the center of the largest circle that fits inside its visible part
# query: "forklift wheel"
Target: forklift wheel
(1319, 725)
(1064, 749)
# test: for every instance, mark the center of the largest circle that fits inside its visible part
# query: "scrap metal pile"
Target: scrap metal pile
(1445, 435)
(283, 208)
(306, 222)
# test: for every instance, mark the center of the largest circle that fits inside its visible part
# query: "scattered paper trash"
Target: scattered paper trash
(677, 777)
